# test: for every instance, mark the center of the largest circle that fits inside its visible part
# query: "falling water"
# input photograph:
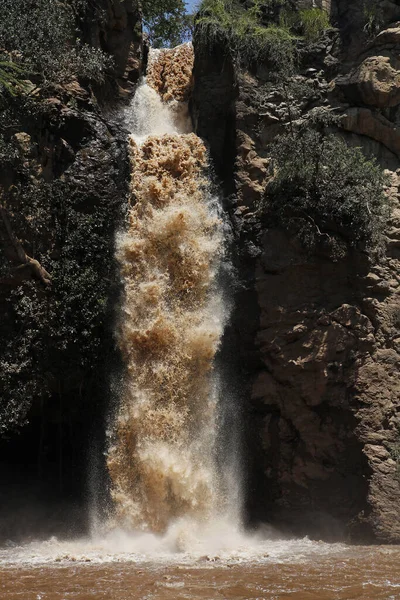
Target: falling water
(162, 456)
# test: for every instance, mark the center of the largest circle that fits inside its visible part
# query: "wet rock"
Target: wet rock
(120, 34)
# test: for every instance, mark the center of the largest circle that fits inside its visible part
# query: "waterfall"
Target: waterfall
(162, 453)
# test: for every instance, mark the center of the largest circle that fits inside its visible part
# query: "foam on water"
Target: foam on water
(179, 546)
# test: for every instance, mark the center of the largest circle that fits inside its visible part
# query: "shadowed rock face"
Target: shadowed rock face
(73, 150)
(359, 20)
(318, 340)
(116, 28)
(372, 87)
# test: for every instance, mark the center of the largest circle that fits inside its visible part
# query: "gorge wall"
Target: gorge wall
(63, 187)
(318, 340)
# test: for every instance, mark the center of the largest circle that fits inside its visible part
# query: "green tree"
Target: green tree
(243, 33)
(326, 192)
(43, 37)
(166, 22)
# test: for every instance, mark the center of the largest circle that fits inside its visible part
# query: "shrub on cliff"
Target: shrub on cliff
(325, 192)
(42, 36)
(267, 31)
(54, 337)
(310, 23)
(243, 34)
(373, 16)
(11, 76)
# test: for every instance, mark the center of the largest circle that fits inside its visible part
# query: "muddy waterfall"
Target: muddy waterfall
(162, 455)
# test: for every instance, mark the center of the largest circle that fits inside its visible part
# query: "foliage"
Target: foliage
(21, 355)
(11, 77)
(243, 34)
(373, 17)
(326, 192)
(8, 151)
(81, 274)
(268, 30)
(166, 22)
(42, 37)
(310, 22)
(268, 11)
(394, 450)
(53, 339)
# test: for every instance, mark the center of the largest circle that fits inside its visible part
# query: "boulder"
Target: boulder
(375, 82)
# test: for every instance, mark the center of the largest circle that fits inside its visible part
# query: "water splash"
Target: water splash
(181, 545)
(162, 456)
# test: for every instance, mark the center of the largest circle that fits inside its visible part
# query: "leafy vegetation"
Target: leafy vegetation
(267, 31)
(42, 37)
(326, 192)
(62, 218)
(243, 34)
(308, 22)
(323, 191)
(55, 337)
(373, 17)
(11, 77)
(166, 22)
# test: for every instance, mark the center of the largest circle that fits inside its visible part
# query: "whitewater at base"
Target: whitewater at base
(112, 569)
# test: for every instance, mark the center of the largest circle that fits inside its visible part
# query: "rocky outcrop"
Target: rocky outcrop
(358, 22)
(376, 82)
(115, 26)
(328, 389)
(317, 339)
(374, 126)
(372, 87)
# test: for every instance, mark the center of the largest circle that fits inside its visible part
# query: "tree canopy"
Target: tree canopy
(166, 22)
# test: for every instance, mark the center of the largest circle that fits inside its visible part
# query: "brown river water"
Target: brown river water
(297, 569)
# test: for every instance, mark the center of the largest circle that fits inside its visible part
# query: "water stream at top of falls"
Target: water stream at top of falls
(162, 455)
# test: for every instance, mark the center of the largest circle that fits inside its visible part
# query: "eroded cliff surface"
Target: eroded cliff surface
(318, 338)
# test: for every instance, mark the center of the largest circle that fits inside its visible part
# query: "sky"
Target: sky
(191, 5)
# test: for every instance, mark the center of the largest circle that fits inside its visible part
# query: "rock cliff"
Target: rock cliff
(63, 188)
(318, 339)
